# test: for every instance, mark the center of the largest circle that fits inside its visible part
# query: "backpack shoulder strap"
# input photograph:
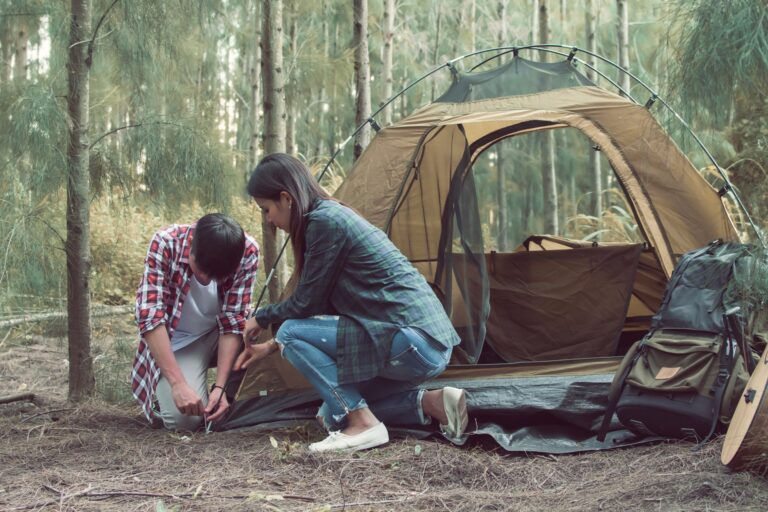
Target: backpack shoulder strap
(727, 357)
(617, 386)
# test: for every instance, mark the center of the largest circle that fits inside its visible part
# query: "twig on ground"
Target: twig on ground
(363, 503)
(17, 398)
(46, 412)
(89, 493)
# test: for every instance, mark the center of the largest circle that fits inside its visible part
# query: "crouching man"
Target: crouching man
(191, 304)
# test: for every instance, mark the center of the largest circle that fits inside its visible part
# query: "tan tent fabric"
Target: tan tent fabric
(677, 209)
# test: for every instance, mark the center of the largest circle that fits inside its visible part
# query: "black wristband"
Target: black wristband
(217, 386)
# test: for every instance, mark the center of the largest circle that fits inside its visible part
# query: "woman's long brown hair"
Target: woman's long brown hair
(278, 173)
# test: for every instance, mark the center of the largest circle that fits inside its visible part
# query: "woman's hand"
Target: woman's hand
(252, 330)
(253, 353)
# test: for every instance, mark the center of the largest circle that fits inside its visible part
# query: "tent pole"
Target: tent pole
(550, 48)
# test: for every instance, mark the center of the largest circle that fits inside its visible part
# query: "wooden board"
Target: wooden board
(746, 442)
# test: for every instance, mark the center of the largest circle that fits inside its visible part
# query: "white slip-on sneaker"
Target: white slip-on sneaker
(455, 403)
(336, 441)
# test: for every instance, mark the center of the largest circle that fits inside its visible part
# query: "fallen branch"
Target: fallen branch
(46, 412)
(39, 317)
(17, 398)
(88, 493)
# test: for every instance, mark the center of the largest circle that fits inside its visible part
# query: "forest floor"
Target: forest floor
(100, 456)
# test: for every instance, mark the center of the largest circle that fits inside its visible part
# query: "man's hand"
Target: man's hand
(253, 353)
(187, 401)
(251, 331)
(217, 405)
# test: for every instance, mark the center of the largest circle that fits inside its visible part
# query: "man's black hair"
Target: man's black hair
(218, 245)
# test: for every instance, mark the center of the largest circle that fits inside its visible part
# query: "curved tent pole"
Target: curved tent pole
(504, 50)
(551, 48)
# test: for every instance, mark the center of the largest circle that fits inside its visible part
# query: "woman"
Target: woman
(363, 326)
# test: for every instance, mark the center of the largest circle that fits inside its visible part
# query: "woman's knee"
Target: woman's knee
(287, 333)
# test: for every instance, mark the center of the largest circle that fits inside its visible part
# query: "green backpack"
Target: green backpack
(684, 378)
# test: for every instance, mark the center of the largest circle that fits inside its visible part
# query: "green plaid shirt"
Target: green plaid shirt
(353, 270)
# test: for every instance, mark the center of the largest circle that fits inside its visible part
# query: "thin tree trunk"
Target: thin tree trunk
(622, 21)
(389, 33)
(362, 76)
(322, 99)
(590, 23)
(501, 189)
(549, 173)
(22, 50)
(255, 74)
(436, 50)
(291, 81)
(274, 117)
(6, 41)
(472, 24)
(81, 377)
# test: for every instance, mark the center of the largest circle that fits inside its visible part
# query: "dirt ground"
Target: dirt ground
(58, 456)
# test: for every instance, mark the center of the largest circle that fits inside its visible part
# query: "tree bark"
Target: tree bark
(548, 170)
(255, 73)
(622, 21)
(362, 76)
(590, 23)
(81, 377)
(472, 24)
(501, 189)
(436, 49)
(274, 118)
(389, 33)
(291, 82)
(7, 44)
(22, 50)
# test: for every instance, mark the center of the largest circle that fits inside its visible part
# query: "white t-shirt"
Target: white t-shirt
(198, 315)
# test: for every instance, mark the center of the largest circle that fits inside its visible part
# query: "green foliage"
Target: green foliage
(722, 54)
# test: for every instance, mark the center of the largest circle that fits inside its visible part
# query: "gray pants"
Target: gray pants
(193, 361)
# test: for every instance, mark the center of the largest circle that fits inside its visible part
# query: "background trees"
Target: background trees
(185, 97)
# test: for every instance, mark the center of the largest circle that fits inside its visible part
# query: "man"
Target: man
(192, 301)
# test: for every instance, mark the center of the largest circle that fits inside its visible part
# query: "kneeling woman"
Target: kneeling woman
(363, 326)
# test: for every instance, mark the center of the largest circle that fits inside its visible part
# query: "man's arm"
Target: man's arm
(186, 399)
(229, 346)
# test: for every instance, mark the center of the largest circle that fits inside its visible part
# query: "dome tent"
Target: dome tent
(548, 316)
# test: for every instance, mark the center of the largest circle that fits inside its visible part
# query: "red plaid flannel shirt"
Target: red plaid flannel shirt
(161, 294)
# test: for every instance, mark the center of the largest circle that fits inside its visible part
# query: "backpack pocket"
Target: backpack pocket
(674, 363)
(670, 390)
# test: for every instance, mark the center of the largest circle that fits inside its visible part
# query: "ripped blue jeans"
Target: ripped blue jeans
(394, 397)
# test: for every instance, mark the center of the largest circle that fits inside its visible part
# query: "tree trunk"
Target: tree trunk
(622, 15)
(291, 82)
(362, 76)
(389, 33)
(472, 24)
(81, 378)
(22, 50)
(274, 117)
(590, 23)
(501, 189)
(323, 94)
(6, 41)
(549, 173)
(255, 73)
(436, 50)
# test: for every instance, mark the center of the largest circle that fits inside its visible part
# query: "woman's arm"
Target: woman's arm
(324, 256)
